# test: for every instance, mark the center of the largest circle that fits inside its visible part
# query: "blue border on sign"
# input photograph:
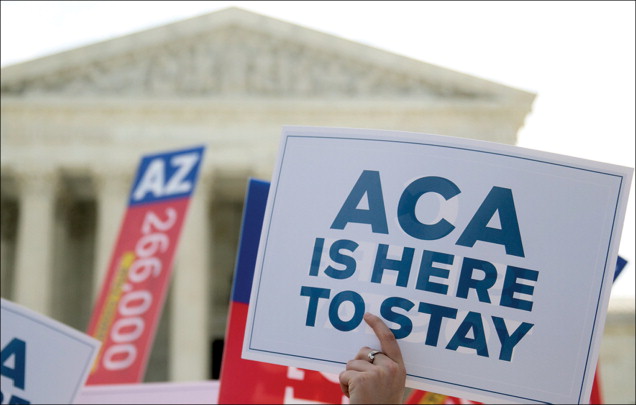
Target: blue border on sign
(253, 214)
(598, 302)
(80, 383)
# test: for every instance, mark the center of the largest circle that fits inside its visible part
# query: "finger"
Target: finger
(382, 359)
(344, 379)
(388, 343)
(363, 354)
(359, 365)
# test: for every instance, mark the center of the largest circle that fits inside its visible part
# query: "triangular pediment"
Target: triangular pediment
(234, 52)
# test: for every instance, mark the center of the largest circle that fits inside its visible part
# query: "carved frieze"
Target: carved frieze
(233, 61)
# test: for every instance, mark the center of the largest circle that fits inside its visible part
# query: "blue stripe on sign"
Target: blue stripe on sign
(620, 265)
(253, 213)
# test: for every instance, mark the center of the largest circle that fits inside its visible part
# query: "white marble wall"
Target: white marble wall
(618, 353)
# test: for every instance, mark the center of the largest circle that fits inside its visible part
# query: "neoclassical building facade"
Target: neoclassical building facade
(75, 124)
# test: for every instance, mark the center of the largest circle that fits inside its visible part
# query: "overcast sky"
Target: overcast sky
(578, 57)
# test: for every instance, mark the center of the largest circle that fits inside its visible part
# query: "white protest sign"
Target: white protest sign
(492, 264)
(196, 392)
(43, 361)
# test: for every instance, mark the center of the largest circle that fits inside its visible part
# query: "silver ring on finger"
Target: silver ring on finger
(372, 355)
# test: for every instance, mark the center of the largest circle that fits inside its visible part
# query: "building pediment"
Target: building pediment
(234, 52)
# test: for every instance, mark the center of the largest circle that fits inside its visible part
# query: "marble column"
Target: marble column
(34, 251)
(5, 253)
(7, 248)
(112, 200)
(189, 345)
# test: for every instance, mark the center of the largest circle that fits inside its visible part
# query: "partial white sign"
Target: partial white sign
(43, 361)
(492, 264)
(197, 392)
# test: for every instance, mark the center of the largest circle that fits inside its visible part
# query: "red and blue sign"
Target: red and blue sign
(131, 299)
(246, 381)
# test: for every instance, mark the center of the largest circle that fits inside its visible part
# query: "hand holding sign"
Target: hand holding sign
(380, 380)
